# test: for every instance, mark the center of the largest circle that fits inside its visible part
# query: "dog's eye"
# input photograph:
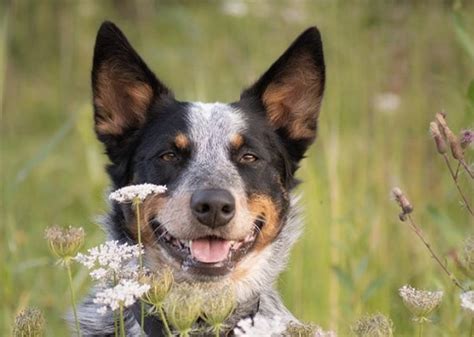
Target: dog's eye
(169, 156)
(248, 158)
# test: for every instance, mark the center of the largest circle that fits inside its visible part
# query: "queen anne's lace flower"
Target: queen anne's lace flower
(111, 261)
(124, 294)
(64, 243)
(306, 330)
(136, 192)
(420, 302)
(376, 325)
(467, 302)
(261, 326)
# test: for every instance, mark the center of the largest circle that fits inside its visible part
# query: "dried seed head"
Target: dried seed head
(376, 325)
(160, 285)
(218, 303)
(296, 329)
(456, 149)
(466, 138)
(467, 255)
(421, 303)
(440, 119)
(438, 138)
(64, 243)
(402, 201)
(454, 144)
(183, 306)
(467, 302)
(29, 323)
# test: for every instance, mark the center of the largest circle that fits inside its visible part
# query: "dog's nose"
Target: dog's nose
(213, 207)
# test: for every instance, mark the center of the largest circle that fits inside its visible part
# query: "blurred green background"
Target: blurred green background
(390, 66)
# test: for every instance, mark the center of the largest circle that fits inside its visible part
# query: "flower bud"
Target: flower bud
(402, 201)
(438, 138)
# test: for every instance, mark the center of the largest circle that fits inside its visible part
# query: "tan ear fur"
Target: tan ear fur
(293, 101)
(120, 99)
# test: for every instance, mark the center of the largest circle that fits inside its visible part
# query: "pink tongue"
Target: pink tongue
(210, 250)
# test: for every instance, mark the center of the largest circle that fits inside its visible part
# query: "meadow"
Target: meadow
(391, 65)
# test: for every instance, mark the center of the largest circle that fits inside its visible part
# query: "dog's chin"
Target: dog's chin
(207, 257)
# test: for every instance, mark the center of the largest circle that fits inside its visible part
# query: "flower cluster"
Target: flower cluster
(306, 330)
(111, 261)
(124, 294)
(376, 325)
(218, 305)
(135, 193)
(183, 306)
(64, 243)
(420, 302)
(160, 285)
(467, 302)
(260, 325)
(29, 323)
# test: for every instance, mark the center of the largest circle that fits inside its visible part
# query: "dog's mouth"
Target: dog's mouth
(209, 255)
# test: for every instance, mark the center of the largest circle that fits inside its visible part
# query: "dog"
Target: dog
(229, 214)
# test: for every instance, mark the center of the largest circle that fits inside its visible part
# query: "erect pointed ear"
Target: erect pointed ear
(123, 86)
(291, 91)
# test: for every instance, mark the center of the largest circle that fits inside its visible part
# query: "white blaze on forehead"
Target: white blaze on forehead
(211, 126)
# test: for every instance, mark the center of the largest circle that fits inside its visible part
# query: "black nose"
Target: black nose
(213, 207)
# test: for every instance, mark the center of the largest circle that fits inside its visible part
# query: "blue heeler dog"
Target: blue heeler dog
(229, 214)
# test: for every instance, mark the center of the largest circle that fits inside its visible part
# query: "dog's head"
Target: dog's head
(229, 168)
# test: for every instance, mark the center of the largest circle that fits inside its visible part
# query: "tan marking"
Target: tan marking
(181, 141)
(148, 210)
(239, 273)
(121, 100)
(236, 141)
(293, 101)
(261, 205)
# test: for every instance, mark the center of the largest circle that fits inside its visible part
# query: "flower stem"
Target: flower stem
(139, 232)
(419, 233)
(453, 175)
(165, 323)
(466, 167)
(218, 330)
(73, 299)
(122, 322)
(420, 330)
(472, 327)
(115, 325)
(140, 261)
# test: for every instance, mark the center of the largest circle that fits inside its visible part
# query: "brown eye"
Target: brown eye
(169, 156)
(247, 158)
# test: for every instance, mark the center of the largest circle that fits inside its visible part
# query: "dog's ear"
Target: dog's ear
(291, 92)
(123, 88)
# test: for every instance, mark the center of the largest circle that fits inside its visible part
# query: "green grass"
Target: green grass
(355, 253)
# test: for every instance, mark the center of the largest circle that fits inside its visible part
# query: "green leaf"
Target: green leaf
(462, 35)
(344, 278)
(361, 268)
(372, 288)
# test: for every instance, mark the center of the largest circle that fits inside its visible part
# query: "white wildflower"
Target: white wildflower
(387, 102)
(420, 302)
(124, 294)
(134, 192)
(261, 326)
(237, 8)
(467, 302)
(111, 261)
